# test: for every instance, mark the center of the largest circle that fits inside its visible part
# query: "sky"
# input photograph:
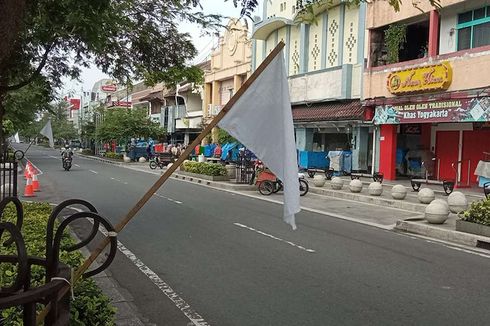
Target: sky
(203, 44)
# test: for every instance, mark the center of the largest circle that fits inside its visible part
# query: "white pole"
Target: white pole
(373, 158)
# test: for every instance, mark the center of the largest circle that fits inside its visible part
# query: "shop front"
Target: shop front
(339, 128)
(444, 139)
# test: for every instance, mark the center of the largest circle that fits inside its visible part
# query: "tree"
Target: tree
(123, 124)
(127, 39)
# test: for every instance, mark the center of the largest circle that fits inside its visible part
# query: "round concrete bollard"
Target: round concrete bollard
(375, 189)
(142, 159)
(426, 195)
(457, 202)
(355, 185)
(319, 180)
(440, 201)
(436, 213)
(336, 183)
(398, 192)
(126, 159)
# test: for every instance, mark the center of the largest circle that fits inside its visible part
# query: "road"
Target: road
(234, 262)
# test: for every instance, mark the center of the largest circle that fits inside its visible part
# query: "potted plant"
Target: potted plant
(476, 219)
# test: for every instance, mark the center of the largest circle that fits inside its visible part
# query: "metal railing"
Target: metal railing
(8, 172)
(53, 292)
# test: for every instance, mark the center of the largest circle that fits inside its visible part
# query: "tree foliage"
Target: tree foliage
(123, 124)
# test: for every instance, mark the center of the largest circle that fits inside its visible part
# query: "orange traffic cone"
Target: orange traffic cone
(29, 191)
(35, 183)
(26, 172)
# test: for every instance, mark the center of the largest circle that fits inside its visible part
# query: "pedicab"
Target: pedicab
(267, 183)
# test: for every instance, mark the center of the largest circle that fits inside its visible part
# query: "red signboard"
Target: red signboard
(74, 103)
(109, 88)
(459, 110)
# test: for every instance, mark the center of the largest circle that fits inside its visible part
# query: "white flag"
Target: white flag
(47, 131)
(262, 120)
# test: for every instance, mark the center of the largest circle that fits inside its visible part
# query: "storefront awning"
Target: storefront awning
(328, 111)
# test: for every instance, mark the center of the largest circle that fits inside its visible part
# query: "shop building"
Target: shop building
(432, 99)
(324, 54)
(228, 70)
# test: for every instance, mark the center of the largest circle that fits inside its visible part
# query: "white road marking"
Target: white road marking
(274, 237)
(77, 165)
(180, 303)
(125, 183)
(167, 198)
(54, 157)
(94, 171)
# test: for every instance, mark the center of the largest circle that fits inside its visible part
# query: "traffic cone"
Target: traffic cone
(26, 172)
(35, 183)
(28, 191)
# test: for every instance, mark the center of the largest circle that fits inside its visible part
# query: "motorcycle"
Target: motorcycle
(67, 163)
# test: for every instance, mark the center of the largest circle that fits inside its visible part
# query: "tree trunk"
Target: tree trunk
(12, 12)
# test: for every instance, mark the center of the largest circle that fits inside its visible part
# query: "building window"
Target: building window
(473, 28)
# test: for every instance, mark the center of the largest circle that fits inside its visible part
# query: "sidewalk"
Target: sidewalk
(383, 212)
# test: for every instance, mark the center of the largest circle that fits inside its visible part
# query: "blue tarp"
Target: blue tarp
(230, 147)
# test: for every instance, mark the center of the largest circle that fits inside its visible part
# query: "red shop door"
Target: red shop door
(474, 144)
(447, 153)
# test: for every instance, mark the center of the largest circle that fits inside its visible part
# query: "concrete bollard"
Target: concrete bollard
(336, 183)
(399, 192)
(436, 212)
(426, 195)
(375, 189)
(457, 202)
(355, 185)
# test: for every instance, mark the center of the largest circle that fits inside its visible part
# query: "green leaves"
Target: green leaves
(122, 124)
(90, 307)
(479, 212)
(395, 38)
(204, 168)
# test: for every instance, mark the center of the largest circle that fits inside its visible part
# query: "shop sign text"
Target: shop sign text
(420, 79)
(463, 110)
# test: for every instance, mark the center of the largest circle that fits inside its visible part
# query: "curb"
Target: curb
(390, 203)
(425, 229)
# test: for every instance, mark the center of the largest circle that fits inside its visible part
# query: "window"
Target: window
(473, 28)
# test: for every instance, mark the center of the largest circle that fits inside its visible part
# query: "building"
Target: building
(324, 54)
(431, 94)
(229, 68)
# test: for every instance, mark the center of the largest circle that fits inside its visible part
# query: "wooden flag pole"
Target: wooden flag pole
(120, 226)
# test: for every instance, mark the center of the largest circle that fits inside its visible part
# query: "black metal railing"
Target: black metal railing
(53, 292)
(8, 172)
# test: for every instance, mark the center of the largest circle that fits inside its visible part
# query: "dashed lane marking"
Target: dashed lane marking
(274, 237)
(95, 172)
(77, 165)
(167, 198)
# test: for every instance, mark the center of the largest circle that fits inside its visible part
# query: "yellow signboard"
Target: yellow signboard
(420, 79)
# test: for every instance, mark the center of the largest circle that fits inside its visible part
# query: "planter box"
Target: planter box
(205, 177)
(473, 228)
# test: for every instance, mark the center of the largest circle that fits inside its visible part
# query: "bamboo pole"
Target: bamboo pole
(120, 226)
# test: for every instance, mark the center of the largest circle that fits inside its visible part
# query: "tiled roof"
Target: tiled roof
(329, 111)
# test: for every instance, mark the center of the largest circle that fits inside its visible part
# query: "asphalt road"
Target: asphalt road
(234, 262)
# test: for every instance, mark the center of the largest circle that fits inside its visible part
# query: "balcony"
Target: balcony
(213, 110)
(469, 69)
(193, 120)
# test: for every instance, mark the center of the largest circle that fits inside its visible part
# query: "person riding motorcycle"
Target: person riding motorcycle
(66, 157)
(66, 152)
